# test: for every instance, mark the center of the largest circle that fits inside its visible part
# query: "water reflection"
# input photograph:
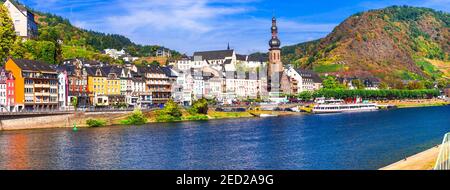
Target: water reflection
(337, 141)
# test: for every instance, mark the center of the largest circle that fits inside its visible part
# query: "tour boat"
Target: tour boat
(338, 106)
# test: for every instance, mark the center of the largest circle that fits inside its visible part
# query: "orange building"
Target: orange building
(36, 84)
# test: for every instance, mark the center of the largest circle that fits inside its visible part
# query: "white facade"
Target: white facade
(305, 80)
(3, 96)
(24, 23)
(62, 90)
(115, 53)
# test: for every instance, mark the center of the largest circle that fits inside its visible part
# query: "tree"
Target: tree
(74, 103)
(154, 63)
(7, 33)
(305, 96)
(331, 83)
(383, 86)
(442, 83)
(358, 84)
(415, 85)
(171, 108)
(199, 107)
(40, 50)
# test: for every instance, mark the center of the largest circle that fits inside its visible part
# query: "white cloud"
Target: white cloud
(186, 25)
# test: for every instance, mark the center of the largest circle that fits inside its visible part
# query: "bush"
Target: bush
(170, 112)
(199, 107)
(95, 123)
(137, 118)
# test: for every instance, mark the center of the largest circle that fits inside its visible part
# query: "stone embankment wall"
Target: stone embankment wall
(59, 121)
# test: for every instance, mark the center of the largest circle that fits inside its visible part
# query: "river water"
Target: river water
(367, 140)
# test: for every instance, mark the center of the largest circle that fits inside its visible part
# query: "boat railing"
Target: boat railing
(443, 160)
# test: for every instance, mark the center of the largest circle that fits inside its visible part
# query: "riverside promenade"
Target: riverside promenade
(421, 161)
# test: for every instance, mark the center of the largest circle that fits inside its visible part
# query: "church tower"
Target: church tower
(275, 68)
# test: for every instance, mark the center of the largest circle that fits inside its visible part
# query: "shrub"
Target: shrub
(137, 118)
(170, 112)
(95, 123)
(199, 107)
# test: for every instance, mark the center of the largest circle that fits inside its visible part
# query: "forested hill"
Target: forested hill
(77, 42)
(393, 44)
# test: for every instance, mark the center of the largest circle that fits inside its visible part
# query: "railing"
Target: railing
(443, 161)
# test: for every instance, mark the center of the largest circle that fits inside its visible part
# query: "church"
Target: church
(286, 81)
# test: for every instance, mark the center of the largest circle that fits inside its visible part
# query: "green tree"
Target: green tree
(305, 96)
(442, 83)
(358, 84)
(383, 86)
(331, 83)
(74, 103)
(154, 63)
(7, 33)
(199, 107)
(415, 85)
(170, 112)
(41, 51)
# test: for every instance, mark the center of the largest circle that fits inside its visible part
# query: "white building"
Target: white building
(242, 85)
(115, 53)
(63, 82)
(23, 19)
(3, 107)
(305, 80)
(205, 75)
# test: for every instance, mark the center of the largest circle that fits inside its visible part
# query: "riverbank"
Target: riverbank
(421, 161)
(415, 103)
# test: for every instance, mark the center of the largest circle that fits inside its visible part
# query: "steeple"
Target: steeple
(274, 43)
(228, 47)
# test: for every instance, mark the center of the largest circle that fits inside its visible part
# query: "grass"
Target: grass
(96, 123)
(328, 68)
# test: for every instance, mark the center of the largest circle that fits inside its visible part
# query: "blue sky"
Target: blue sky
(194, 25)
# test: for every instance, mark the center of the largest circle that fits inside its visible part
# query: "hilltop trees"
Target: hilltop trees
(7, 33)
(331, 83)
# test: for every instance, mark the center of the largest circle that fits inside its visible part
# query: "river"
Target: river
(367, 140)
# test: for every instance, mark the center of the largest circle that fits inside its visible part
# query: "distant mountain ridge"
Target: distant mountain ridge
(394, 43)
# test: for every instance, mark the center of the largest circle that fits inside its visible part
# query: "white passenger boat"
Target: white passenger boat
(338, 106)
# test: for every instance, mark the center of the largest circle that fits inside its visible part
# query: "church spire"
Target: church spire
(274, 43)
(228, 47)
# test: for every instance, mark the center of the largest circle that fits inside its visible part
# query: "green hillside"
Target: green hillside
(393, 44)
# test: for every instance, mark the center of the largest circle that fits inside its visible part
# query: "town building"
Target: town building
(369, 83)
(63, 89)
(77, 82)
(158, 85)
(36, 84)
(163, 52)
(23, 20)
(3, 91)
(302, 80)
(97, 86)
(114, 53)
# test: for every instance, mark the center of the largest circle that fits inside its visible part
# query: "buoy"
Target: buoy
(75, 127)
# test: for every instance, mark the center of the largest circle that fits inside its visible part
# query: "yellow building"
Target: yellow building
(104, 85)
(96, 81)
(112, 80)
